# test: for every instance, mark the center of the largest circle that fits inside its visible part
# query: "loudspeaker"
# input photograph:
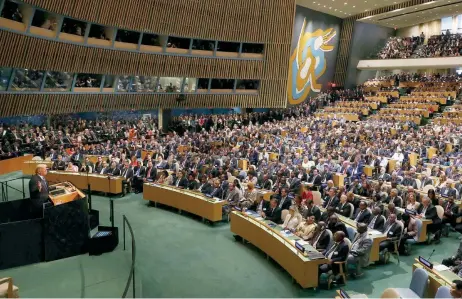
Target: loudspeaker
(105, 240)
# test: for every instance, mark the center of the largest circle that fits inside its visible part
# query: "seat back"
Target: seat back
(418, 223)
(418, 183)
(331, 238)
(439, 211)
(443, 292)
(352, 209)
(284, 214)
(419, 282)
(348, 242)
(351, 233)
(428, 187)
(317, 198)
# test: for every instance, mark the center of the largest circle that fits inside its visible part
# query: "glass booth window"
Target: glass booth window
(177, 42)
(205, 45)
(126, 36)
(169, 84)
(150, 40)
(247, 84)
(222, 84)
(109, 81)
(99, 32)
(190, 85)
(88, 80)
(74, 27)
(11, 11)
(5, 74)
(123, 84)
(446, 24)
(228, 47)
(58, 81)
(252, 48)
(144, 84)
(27, 80)
(45, 20)
(203, 83)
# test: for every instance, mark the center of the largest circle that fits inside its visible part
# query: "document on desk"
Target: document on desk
(374, 232)
(440, 267)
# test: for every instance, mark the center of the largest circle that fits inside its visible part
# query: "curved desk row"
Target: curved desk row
(185, 200)
(13, 164)
(98, 182)
(279, 246)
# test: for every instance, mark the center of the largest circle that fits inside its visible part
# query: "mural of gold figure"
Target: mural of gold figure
(308, 63)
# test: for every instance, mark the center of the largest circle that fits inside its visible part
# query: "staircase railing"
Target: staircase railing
(5, 187)
(131, 277)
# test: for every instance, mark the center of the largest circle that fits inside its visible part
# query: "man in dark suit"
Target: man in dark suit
(180, 181)
(377, 221)
(139, 173)
(151, 172)
(273, 213)
(331, 199)
(393, 230)
(285, 202)
(205, 187)
(98, 166)
(343, 208)
(59, 164)
(428, 211)
(38, 188)
(325, 216)
(362, 215)
(127, 174)
(450, 209)
(321, 237)
(315, 178)
(312, 210)
(338, 252)
(335, 225)
(217, 190)
(192, 183)
(113, 170)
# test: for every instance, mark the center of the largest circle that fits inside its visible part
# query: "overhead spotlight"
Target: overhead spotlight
(354, 6)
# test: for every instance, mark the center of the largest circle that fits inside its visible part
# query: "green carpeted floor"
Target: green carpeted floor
(179, 256)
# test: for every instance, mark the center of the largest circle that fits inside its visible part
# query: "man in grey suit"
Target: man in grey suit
(360, 249)
(233, 197)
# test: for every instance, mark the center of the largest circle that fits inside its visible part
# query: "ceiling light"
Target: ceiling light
(354, 6)
(336, 9)
(345, 13)
(345, 3)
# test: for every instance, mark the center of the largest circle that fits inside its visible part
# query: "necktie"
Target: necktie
(149, 173)
(359, 214)
(45, 184)
(371, 225)
(331, 250)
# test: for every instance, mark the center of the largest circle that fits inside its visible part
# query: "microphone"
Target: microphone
(431, 254)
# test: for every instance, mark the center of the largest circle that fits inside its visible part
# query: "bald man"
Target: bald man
(38, 187)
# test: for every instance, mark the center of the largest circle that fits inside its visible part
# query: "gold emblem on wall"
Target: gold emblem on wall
(308, 63)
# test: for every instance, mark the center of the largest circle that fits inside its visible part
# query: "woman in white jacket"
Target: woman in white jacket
(292, 220)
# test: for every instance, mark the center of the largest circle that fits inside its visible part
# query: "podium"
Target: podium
(242, 164)
(413, 159)
(368, 170)
(431, 151)
(65, 192)
(29, 236)
(391, 165)
(339, 179)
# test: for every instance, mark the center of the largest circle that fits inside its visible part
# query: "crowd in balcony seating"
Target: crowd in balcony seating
(444, 45)
(400, 47)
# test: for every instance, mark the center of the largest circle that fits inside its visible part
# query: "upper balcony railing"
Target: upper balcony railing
(25, 19)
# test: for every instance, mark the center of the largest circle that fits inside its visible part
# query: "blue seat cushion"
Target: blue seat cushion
(406, 293)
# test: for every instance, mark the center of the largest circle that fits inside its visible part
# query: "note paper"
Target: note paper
(440, 267)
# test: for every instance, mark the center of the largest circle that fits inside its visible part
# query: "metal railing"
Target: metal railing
(6, 186)
(131, 277)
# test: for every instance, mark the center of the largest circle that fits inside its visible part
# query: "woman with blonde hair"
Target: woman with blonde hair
(250, 195)
(292, 220)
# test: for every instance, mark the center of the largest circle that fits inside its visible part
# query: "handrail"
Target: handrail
(132, 268)
(5, 187)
